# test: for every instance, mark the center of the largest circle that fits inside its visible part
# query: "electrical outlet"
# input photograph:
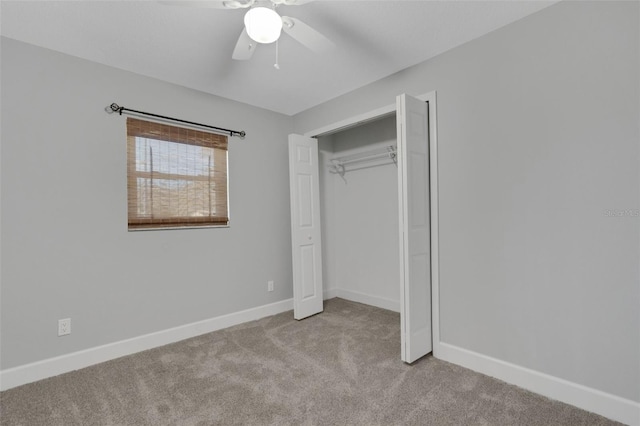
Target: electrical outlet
(269, 285)
(64, 327)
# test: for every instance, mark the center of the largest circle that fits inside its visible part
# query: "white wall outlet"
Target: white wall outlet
(64, 326)
(269, 285)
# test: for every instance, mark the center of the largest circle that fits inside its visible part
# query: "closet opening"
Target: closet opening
(364, 217)
(358, 175)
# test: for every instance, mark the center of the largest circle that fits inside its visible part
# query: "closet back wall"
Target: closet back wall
(360, 218)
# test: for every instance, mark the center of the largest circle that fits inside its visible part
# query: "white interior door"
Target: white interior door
(415, 256)
(305, 226)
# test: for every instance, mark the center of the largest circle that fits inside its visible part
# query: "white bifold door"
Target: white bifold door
(414, 208)
(305, 226)
(412, 121)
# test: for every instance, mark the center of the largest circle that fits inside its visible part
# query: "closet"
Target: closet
(359, 213)
(353, 235)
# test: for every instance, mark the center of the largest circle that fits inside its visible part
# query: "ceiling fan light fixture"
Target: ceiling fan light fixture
(263, 24)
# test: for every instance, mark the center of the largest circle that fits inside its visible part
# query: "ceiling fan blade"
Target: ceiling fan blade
(244, 47)
(215, 4)
(306, 35)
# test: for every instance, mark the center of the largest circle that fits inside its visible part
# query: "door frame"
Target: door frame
(387, 110)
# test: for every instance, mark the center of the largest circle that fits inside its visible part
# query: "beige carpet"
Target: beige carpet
(341, 367)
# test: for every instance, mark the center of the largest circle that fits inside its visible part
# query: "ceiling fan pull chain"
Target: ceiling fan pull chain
(276, 65)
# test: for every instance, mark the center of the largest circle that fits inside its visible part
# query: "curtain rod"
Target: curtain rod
(117, 108)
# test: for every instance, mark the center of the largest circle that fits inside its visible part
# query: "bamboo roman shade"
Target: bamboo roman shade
(176, 177)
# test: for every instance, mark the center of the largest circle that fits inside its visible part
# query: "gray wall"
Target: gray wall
(538, 138)
(66, 251)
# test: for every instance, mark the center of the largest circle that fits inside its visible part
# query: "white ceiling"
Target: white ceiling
(192, 47)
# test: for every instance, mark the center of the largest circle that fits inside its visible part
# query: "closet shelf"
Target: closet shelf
(370, 158)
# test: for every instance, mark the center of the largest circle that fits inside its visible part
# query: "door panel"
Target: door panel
(305, 205)
(414, 210)
(306, 244)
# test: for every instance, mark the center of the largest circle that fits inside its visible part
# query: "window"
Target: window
(176, 177)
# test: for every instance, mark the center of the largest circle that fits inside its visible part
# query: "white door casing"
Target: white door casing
(306, 243)
(414, 210)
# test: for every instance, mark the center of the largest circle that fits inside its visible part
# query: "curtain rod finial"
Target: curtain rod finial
(115, 107)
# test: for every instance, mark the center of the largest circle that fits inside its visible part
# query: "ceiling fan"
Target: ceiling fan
(263, 25)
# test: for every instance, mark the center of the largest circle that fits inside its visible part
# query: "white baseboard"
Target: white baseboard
(595, 401)
(39, 370)
(367, 299)
(330, 293)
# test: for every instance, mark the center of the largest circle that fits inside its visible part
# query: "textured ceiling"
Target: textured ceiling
(192, 47)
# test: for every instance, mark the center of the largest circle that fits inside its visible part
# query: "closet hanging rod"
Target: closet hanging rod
(388, 151)
(389, 155)
(338, 164)
(119, 109)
